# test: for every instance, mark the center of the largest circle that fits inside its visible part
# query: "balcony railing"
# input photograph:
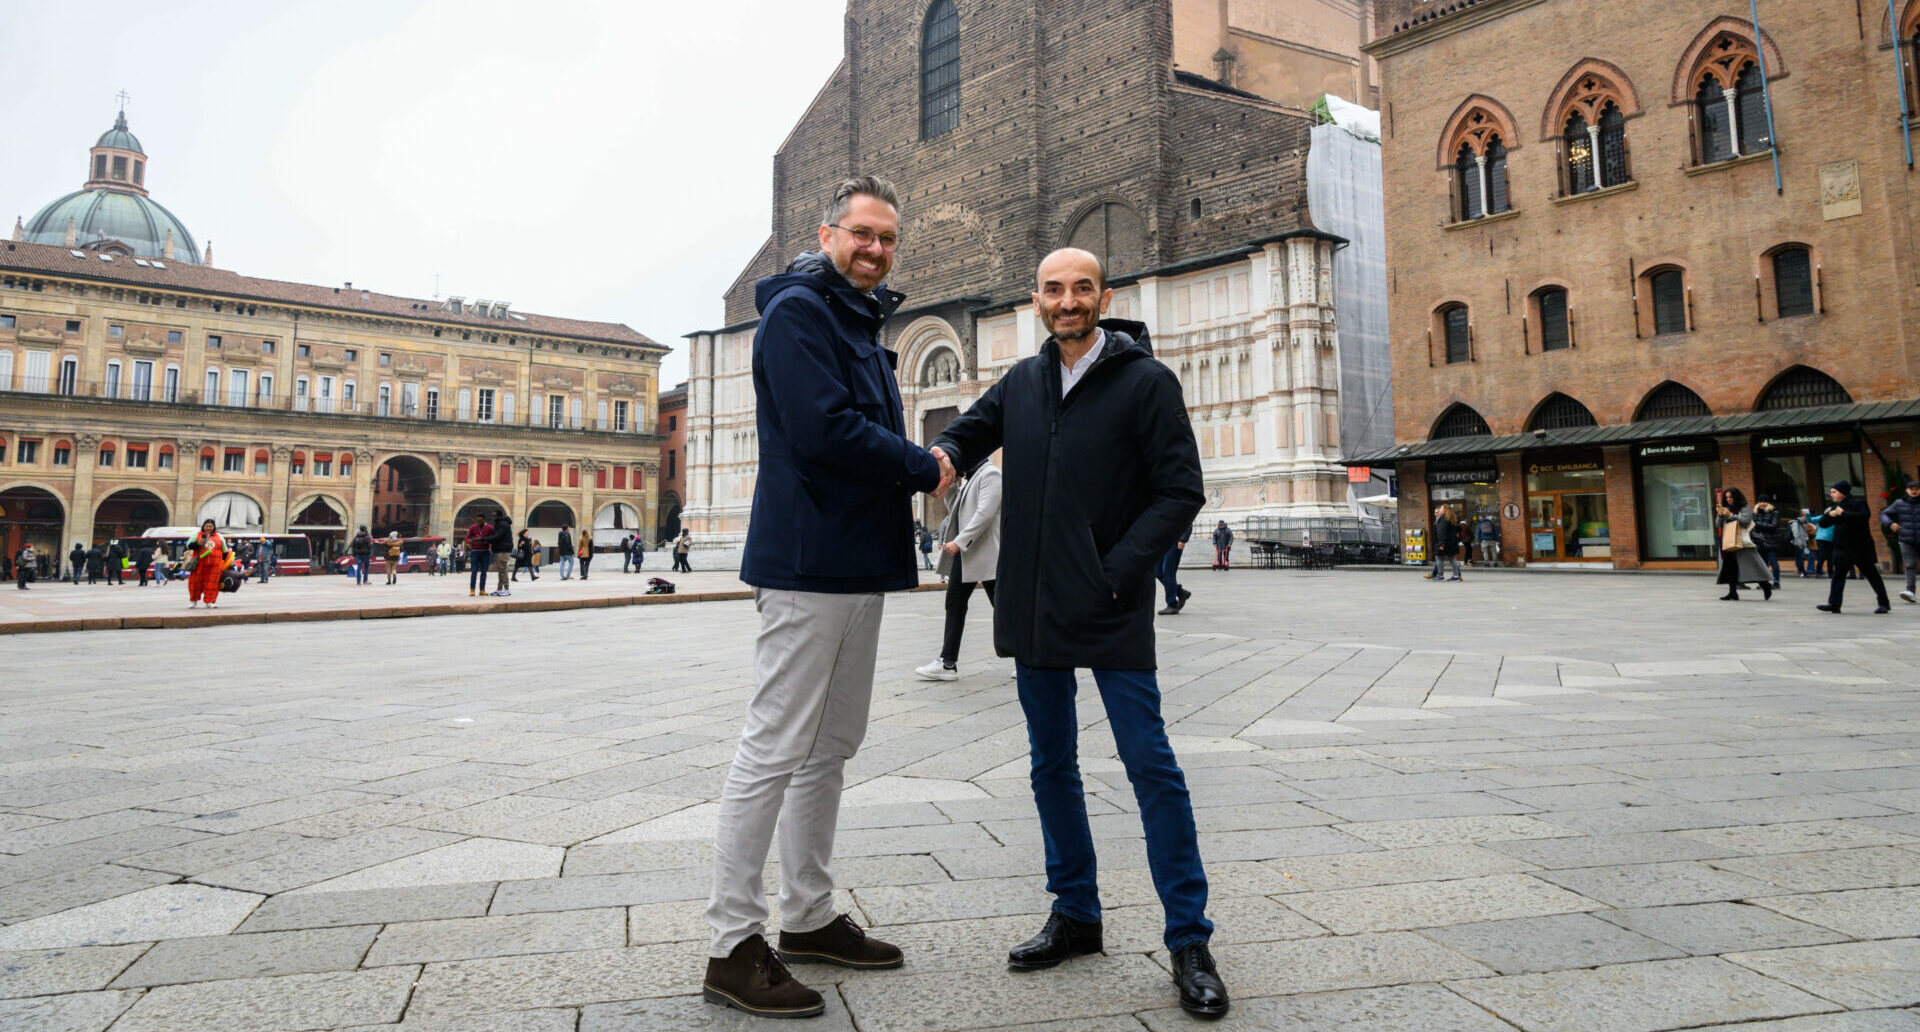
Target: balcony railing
(315, 405)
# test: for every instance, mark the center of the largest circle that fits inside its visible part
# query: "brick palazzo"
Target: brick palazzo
(1603, 307)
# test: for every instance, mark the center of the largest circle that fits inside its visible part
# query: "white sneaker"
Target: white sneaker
(1906, 596)
(938, 671)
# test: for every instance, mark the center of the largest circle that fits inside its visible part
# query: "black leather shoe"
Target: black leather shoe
(1169, 611)
(1823, 607)
(1184, 595)
(1060, 938)
(1201, 991)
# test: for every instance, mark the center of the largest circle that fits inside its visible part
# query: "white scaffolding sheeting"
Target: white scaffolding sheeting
(1346, 198)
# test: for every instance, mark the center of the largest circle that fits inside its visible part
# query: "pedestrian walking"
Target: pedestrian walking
(160, 566)
(1102, 473)
(1799, 536)
(586, 552)
(396, 555)
(682, 548)
(362, 550)
(1168, 573)
(1446, 543)
(639, 552)
(523, 557)
(1853, 548)
(1823, 536)
(831, 531)
(77, 562)
(503, 550)
(564, 547)
(971, 555)
(626, 554)
(96, 564)
(925, 538)
(207, 559)
(1768, 536)
(1740, 561)
(1486, 533)
(116, 562)
(1222, 545)
(268, 562)
(1902, 519)
(25, 565)
(480, 551)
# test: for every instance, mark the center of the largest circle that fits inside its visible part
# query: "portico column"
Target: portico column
(443, 496)
(520, 466)
(362, 501)
(186, 468)
(279, 479)
(80, 513)
(588, 470)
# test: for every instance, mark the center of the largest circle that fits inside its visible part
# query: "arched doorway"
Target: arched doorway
(669, 527)
(932, 425)
(128, 513)
(32, 515)
(324, 521)
(551, 515)
(614, 523)
(231, 510)
(476, 508)
(402, 497)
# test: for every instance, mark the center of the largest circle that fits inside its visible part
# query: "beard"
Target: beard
(1085, 322)
(862, 278)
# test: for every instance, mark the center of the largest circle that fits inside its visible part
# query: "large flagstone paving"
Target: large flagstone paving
(1542, 802)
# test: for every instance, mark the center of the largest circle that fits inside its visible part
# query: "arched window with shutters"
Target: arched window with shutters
(1793, 281)
(1455, 330)
(940, 70)
(1554, 317)
(1671, 401)
(1664, 300)
(1459, 421)
(1802, 387)
(1559, 412)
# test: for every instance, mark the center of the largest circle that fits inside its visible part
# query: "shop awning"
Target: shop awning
(1652, 430)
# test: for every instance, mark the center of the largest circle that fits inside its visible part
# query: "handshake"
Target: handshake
(947, 474)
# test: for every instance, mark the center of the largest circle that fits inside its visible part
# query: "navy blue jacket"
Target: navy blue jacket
(1097, 486)
(1906, 512)
(832, 507)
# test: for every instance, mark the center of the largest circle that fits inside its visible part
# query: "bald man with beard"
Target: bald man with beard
(1101, 476)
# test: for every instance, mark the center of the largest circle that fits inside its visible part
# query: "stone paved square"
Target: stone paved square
(1534, 802)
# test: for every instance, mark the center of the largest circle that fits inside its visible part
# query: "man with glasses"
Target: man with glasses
(832, 529)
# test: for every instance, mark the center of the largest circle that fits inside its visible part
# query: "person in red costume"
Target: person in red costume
(210, 552)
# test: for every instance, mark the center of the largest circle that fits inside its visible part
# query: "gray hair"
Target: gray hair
(870, 186)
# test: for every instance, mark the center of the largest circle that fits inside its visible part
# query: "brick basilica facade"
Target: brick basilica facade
(1012, 129)
(1651, 253)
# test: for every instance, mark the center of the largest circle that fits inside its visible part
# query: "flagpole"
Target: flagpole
(1766, 94)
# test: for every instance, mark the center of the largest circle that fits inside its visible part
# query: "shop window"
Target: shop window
(1667, 292)
(1677, 482)
(1793, 282)
(1560, 412)
(1555, 318)
(1459, 421)
(1456, 331)
(1671, 401)
(940, 70)
(1801, 387)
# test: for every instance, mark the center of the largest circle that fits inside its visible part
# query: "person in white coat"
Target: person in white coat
(972, 534)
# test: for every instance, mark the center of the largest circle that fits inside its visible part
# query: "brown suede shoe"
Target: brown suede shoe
(753, 979)
(840, 942)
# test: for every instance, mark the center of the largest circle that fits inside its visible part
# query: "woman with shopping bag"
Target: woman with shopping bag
(206, 561)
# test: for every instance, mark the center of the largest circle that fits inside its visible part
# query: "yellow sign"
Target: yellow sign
(1413, 547)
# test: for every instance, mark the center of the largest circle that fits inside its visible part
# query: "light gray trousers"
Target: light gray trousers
(813, 674)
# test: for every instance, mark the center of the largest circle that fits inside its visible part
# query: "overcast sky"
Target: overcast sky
(596, 160)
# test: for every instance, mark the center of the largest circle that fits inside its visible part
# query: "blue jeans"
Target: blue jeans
(1132, 699)
(477, 572)
(1169, 574)
(566, 566)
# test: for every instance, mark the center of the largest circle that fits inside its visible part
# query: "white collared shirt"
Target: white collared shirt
(1071, 374)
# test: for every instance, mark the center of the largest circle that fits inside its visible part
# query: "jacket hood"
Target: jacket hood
(816, 269)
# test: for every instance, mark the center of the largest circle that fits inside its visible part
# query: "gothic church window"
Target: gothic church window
(1114, 233)
(940, 70)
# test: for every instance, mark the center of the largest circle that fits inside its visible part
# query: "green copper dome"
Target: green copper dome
(119, 137)
(100, 215)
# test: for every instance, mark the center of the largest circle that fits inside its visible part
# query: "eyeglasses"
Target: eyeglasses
(867, 238)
